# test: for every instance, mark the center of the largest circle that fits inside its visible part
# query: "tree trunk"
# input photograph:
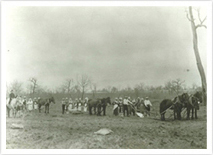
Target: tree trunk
(196, 52)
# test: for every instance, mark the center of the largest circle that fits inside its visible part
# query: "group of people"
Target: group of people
(128, 106)
(24, 103)
(78, 104)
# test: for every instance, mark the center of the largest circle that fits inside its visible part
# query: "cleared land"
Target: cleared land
(69, 131)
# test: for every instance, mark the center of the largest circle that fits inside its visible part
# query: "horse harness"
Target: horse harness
(190, 100)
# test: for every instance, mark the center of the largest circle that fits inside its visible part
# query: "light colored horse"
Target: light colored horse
(12, 106)
(15, 105)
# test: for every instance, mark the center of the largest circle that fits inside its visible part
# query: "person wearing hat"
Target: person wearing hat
(85, 104)
(79, 104)
(115, 108)
(76, 104)
(120, 104)
(125, 106)
(30, 104)
(147, 104)
(11, 96)
(24, 103)
(35, 104)
(70, 106)
(66, 103)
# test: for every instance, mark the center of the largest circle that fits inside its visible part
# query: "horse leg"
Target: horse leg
(195, 113)
(39, 108)
(95, 109)
(175, 115)
(8, 112)
(48, 109)
(188, 113)
(192, 113)
(90, 110)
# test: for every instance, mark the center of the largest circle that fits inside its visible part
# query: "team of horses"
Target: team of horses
(97, 106)
(190, 102)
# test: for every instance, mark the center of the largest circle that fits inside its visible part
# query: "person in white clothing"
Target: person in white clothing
(147, 104)
(85, 104)
(70, 104)
(125, 106)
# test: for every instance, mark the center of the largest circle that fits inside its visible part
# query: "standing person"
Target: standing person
(120, 105)
(24, 103)
(79, 104)
(129, 106)
(147, 104)
(137, 104)
(76, 105)
(99, 105)
(30, 104)
(35, 104)
(115, 108)
(11, 96)
(85, 104)
(125, 106)
(63, 105)
(133, 107)
(70, 104)
(66, 104)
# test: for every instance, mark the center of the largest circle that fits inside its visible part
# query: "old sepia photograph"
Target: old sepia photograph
(98, 75)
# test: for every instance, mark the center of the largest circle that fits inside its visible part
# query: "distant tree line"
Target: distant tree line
(83, 86)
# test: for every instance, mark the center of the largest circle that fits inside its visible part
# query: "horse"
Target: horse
(92, 104)
(14, 105)
(100, 104)
(104, 102)
(46, 103)
(176, 105)
(193, 104)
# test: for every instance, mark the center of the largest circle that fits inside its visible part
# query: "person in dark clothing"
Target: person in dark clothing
(63, 105)
(99, 105)
(11, 96)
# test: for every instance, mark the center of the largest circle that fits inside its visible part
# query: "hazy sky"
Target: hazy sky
(116, 46)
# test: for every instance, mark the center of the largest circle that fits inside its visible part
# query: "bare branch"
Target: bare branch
(201, 25)
(187, 15)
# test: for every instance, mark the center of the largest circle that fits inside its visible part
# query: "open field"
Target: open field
(72, 131)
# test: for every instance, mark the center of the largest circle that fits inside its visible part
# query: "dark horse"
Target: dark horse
(193, 104)
(104, 102)
(98, 103)
(46, 103)
(176, 104)
(92, 104)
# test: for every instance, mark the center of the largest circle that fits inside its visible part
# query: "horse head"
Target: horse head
(52, 100)
(195, 102)
(198, 95)
(184, 98)
(108, 100)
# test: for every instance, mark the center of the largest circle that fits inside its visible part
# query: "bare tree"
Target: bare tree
(93, 87)
(33, 85)
(195, 47)
(16, 86)
(68, 85)
(174, 86)
(83, 82)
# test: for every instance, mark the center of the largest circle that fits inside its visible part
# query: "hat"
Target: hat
(129, 98)
(116, 98)
(120, 98)
(146, 97)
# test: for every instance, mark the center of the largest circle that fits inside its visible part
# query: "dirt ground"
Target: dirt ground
(76, 131)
